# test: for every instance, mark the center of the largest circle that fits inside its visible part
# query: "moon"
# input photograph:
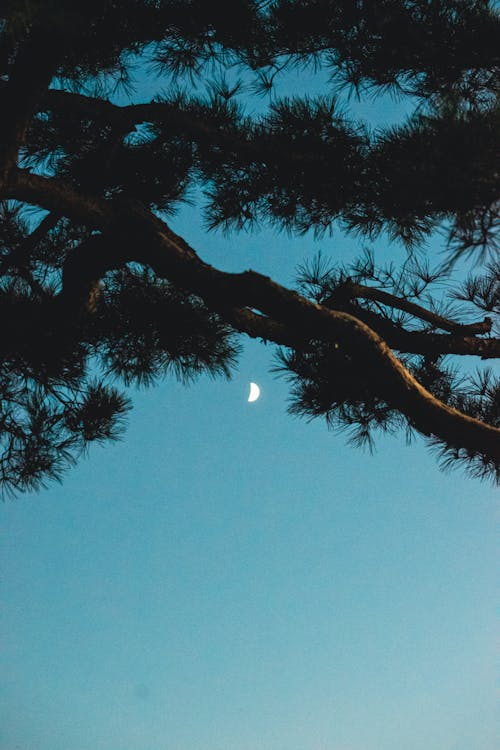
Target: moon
(254, 392)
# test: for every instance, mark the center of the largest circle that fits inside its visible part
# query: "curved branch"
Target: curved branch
(62, 198)
(423, 342)
(136, 234)
(399, 303)
(57, 196)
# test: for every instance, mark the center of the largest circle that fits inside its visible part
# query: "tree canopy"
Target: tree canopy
(96, 286)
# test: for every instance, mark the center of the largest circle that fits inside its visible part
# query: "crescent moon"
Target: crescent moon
(254, 392)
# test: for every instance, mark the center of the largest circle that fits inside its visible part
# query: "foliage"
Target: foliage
(93, 298)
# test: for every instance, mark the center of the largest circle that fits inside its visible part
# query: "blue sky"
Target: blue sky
(229, 577)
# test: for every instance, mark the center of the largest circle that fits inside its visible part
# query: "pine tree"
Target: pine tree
(95, 284)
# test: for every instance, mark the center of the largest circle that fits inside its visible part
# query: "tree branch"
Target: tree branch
(135, 234)
(128, 114)
(185, 120)
(62, 198)
(57, 196)
(362, 291)
(421, 342)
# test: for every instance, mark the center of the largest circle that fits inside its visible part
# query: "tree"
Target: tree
(96, 284)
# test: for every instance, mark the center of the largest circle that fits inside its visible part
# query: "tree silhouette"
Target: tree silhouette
(96, 285)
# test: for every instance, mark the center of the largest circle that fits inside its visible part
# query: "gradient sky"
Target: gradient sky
(229, 577)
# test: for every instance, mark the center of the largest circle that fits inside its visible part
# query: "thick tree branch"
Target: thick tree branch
(57, 196)
(63, 199)
(133, 233)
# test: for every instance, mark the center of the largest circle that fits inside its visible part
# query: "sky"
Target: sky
(230, 577)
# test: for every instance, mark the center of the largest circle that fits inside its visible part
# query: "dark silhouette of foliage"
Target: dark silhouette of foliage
(96, 288)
